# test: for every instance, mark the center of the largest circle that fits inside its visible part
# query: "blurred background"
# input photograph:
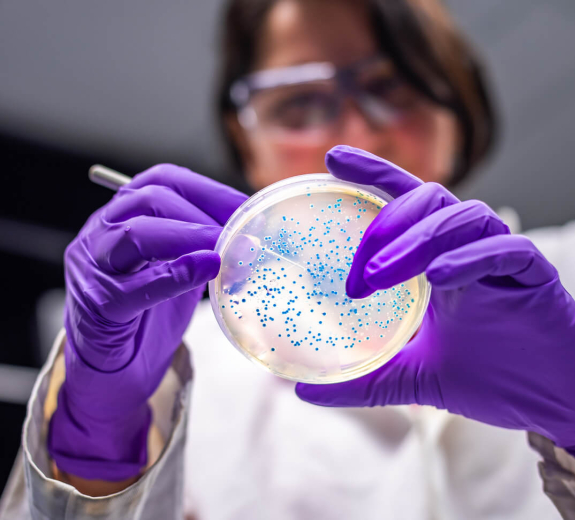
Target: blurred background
(129, 85)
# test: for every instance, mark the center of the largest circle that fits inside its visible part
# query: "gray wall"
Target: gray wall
(134, 78)
(530, 49)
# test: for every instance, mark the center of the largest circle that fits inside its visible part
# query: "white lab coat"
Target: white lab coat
(255, 451)
(284, 458)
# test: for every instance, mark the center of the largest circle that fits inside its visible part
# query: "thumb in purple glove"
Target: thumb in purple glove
(497, 343)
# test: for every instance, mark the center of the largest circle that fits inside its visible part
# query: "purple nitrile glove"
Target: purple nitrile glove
(134, 274)
(497, 343)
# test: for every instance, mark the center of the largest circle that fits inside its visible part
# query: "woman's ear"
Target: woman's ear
(240, 139)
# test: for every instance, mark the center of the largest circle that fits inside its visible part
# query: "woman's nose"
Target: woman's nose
(355, 129)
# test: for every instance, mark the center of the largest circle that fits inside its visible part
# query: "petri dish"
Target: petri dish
(280, 294)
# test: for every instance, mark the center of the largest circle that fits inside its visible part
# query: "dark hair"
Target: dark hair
(423, 42)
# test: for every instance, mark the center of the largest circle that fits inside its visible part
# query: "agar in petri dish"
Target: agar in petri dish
(280, 294)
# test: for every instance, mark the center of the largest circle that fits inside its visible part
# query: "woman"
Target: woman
(390, 77)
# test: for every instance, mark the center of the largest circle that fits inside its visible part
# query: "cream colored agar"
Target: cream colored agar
(281, 289)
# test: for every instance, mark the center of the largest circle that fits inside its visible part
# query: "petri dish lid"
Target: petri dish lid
(280, 294)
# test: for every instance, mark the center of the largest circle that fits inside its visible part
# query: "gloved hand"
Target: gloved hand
(497, 343)
(134, 274)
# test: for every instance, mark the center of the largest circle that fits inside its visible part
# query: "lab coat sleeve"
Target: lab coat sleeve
(32, 493)
(557, 469)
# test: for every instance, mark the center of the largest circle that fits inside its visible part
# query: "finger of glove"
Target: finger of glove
(212, 197)
(394, 383)
(355, 165)
(449, 228)
(122, 298)
(514, 256)
(394, 219)
(154, 201)
(127, 247)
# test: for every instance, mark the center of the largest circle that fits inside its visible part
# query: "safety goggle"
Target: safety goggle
(304, 102)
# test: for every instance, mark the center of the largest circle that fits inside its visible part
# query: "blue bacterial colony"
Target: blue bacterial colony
(281, 289)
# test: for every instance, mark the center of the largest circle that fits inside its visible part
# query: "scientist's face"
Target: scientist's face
(421, 137)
